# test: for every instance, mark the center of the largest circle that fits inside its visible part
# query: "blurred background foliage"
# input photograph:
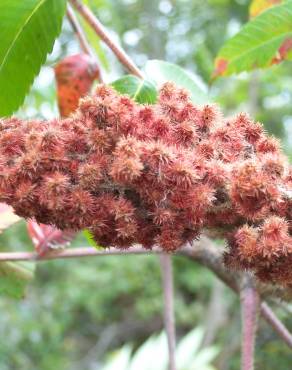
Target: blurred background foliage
(76, 312)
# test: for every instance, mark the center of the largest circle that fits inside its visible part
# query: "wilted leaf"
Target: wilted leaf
(74, 76)
(45, 237)
(7, 217)
(258, 6)
(27, 33)
(143, 91)
(161, 72)
(263, 41)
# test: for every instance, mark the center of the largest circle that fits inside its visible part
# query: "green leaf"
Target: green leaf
(14, 278)
(265, 40)
(89, 237)
(161, 72)
(28, 31)
(143, 91)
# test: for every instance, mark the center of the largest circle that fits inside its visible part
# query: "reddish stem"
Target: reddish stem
(279, 327)
(70, 253)
(204, 256)
(78, 30)
(100, 30)
(169, 317)
(249, 306)
(84, 45)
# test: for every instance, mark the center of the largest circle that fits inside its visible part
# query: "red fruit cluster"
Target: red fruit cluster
(153, 175)
(266, 249)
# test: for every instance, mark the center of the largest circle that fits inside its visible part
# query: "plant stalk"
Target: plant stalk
(101, 31)
(169, 317)
(83, 42)
(249, 311)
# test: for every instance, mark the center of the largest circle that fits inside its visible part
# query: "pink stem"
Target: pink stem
(82, 38)
(169, 317)
(249, 306)
(70, 253)
(278, 326)
(265, 310)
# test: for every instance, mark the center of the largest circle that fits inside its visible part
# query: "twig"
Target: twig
(100, 30)
(78, 30)
(84, 45)
(279, 327)
(169, 317)
(71, 253)
(209, 256)
(249, 312)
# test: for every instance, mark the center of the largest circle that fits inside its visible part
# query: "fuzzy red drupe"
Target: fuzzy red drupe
(157, 174)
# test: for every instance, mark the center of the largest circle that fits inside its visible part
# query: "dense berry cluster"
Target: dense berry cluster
(154, 175)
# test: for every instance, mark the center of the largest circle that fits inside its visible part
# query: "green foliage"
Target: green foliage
(157, 73)
(89, 237)
(160, 72)
(28, 31)
(72, 305)
(143, 91)
(263, 41)
(14, 278)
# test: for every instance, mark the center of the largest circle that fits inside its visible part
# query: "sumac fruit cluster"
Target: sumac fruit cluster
(154, 175)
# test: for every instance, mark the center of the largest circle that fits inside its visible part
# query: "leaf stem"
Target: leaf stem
(101, 31)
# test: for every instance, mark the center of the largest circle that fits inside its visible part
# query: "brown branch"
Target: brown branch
(100, 30)
(78, 30)
(83, 42)
(71, 253)
(208, 254)
(278, 326)
(204, 252)
(169, 317)
(249, 313)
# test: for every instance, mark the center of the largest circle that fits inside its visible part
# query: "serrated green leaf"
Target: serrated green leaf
(28, 31)
(161, 72)
(143, 91)
(14, 278)
(265, 40)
